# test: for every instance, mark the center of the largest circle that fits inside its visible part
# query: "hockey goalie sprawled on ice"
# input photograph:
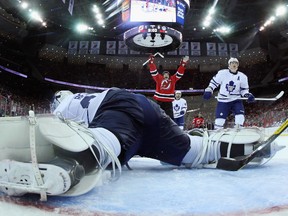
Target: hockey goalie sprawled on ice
(88, 135)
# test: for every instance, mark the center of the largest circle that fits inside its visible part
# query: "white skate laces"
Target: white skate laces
(107, 154)
(209, 153)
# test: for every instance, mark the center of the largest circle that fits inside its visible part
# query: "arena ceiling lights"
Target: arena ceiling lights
(281, 11)
(33, 14)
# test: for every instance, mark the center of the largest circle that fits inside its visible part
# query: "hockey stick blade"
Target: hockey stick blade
(157, 53)
(279, 95)
(258, 99)
(234, 164)
(162, 56)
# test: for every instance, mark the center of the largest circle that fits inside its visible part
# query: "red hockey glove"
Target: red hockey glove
(151, 59)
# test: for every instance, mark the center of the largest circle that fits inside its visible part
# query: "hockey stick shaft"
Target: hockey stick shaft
(193, 110)
(157, 53)
(258, 99)
(232, 164)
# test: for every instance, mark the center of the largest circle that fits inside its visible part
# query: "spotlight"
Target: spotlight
(144, 35)
(162, 35)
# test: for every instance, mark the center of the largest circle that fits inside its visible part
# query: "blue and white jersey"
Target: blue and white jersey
(232, 85)
(80, 107)
(178, 106)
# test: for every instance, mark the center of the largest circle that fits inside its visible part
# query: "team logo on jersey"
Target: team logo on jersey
(230, 86)
(176, 107)
(166, 84)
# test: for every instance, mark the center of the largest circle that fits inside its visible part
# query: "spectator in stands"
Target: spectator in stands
(198, 121)
(165, 84)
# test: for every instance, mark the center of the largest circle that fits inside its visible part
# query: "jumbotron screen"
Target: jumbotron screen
(155, 11)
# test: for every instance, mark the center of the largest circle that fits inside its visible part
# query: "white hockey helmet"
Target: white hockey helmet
(59, 97)
(233, 60)
(178, 92)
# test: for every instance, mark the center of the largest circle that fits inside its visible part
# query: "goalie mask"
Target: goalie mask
(59, 97)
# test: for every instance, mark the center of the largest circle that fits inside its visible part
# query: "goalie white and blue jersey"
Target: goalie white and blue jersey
(232, 85)
(80, 107)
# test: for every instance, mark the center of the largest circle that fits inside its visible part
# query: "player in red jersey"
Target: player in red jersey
(165, 84)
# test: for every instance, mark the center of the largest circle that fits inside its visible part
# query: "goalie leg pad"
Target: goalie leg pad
(238, 136)
(237, 142)
(17, 178)
(230, 143)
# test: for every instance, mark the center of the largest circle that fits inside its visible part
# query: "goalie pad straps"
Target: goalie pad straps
(225, 143)
(36, 171)
(235, 136)
(209, 147)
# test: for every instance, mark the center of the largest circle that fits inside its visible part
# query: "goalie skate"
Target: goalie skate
(18, 178)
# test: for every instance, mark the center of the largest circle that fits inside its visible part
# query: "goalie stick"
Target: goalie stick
(234, 164)
(258, 99)
(157, 53)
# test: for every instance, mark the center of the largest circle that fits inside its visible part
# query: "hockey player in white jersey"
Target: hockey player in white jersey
(65, 153)
(179, 109)
(233, 85)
